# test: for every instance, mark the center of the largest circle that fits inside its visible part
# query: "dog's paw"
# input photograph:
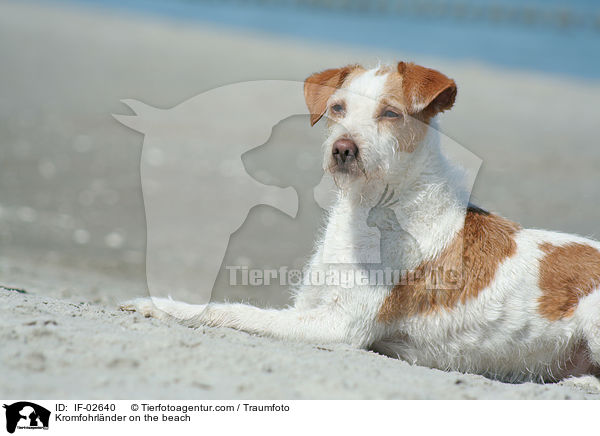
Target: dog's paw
(143, 306)
(162, 308)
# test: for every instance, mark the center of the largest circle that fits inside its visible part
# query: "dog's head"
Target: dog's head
(377, 118)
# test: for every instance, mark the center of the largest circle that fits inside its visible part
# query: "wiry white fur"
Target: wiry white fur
(361, 100)
(500, 333)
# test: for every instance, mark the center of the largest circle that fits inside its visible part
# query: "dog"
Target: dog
(513, 304)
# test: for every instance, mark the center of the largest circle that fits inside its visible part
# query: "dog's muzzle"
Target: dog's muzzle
(344, 153)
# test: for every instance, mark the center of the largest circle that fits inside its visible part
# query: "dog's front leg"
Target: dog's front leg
(328, 323)
(324, 324)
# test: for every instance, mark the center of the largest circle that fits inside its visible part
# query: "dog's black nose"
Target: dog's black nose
(344, 148)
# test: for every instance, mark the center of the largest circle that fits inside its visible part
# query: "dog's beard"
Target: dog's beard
(353, 166)
(375, 160)
(345, 173)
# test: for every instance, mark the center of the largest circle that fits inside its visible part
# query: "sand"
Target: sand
(72, 219)
(82, 347)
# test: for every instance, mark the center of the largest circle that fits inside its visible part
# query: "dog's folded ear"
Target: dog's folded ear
(320, 86)
(426, 91)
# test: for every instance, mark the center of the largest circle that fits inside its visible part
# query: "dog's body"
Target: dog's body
(522, 304)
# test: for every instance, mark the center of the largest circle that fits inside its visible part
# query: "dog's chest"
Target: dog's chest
(355, 235)
(348, 239)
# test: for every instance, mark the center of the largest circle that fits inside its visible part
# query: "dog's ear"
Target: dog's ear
(319, 87)
(425, 90)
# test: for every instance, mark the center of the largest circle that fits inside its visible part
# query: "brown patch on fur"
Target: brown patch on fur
(320, 86)
(394, 90)
(393, 94)
(468, 265)
(409, 130)
(567, 273)
(426, 92)
(419, 93)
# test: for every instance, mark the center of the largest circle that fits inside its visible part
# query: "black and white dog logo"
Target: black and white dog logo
(26, 415)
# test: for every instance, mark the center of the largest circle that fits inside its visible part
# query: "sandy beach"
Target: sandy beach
(73, 228)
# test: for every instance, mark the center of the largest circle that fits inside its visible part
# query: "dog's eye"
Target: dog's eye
(390, 114)
(337, 108)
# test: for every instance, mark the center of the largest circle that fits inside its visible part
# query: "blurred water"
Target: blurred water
(70, 189)
(553, 36)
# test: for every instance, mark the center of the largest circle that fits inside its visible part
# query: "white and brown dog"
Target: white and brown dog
(525, 304)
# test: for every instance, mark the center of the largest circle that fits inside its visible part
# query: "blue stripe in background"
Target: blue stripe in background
(552, 36)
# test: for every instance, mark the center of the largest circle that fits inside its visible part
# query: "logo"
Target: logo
(26, 415)
(253, 191)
